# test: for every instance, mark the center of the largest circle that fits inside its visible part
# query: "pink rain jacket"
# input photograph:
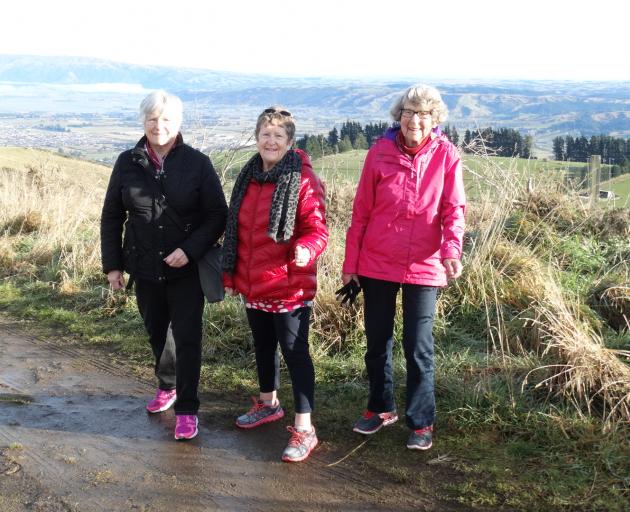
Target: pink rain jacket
(408, 214)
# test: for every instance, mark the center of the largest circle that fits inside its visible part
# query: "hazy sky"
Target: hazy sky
(532, 39)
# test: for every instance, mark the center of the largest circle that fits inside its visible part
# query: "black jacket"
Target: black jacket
(136, 233)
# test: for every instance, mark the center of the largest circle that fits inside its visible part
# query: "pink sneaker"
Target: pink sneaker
(163, 400)
(186, 426)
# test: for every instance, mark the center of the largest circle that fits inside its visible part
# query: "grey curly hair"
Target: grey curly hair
(422, 97)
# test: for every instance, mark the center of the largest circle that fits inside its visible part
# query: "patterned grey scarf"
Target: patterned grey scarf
(286, 174)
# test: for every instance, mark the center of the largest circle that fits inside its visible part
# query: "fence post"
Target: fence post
(595, 177)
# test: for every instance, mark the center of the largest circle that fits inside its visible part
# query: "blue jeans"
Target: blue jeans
(417, 339)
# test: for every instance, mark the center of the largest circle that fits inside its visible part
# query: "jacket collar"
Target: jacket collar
(436, 135)
(179, 140)
(391, 132)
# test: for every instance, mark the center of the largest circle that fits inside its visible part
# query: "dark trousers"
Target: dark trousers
(179, 303)
(417, 339)
(291, 331)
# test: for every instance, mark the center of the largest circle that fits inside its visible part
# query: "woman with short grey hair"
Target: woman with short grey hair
(164, 208)
(161, 101)
(406, 233)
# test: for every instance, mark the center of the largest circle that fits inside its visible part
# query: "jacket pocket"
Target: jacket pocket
(130, 250)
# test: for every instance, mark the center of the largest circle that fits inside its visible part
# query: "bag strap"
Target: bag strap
(157, 187)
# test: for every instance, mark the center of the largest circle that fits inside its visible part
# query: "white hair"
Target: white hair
(159, 101)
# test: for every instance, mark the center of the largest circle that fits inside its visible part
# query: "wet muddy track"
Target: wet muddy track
(74, 436)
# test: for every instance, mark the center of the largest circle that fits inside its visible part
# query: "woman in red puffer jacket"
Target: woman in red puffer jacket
(276, 230)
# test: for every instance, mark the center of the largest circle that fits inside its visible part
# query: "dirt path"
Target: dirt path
(74, 436)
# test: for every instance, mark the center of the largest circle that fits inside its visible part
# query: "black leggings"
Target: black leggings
(291, 330)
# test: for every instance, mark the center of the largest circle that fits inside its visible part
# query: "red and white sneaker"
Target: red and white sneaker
(421, 439)
(259, 414)
(371, 422)
(300, 445)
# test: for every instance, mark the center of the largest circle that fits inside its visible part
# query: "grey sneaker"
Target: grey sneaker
(421, 439)
(259, 414)
(371, 422)
(300, 445)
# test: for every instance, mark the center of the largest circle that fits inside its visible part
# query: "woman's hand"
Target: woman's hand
(176, 259)
(453, 268)
(302, 255)
(346, 278)
(116, 279)
(230, 291)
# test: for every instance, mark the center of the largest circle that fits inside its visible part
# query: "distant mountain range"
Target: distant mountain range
(543, 109)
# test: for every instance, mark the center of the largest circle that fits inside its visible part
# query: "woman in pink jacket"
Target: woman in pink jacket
(276, 230)
(406, 232)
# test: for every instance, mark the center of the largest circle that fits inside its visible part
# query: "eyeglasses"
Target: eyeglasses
(408, 113)
(284, 113)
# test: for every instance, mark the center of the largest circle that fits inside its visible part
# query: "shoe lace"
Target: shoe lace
(258, 405)
(368, 414)
(297, 436)
(423, 430)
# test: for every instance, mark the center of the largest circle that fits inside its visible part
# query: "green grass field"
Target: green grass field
(346, 168)
(621, 187)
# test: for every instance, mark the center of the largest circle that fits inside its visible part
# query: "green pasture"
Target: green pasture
(346, 167)
(621, 187)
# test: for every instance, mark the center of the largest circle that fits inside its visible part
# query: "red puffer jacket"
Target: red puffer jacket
(267, 269)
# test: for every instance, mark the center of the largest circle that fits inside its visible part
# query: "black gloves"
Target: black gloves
(348, 293)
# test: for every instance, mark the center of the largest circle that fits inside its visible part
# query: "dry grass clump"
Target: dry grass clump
(525, 308)
(336, 327)
(22, 223)
(563, 211)
(611, 299)
(7, 255)
(527, 311)
(50, 221)
(587, 373)
(339, 199)
(611, 223)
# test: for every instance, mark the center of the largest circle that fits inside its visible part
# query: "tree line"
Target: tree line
(351, 135)
(613, 150)
(354, 135)
(502, 142)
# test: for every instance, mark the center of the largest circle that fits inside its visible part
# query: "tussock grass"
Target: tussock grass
(588, 374)
(51, 222)
(611, 299)
(517, 285)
